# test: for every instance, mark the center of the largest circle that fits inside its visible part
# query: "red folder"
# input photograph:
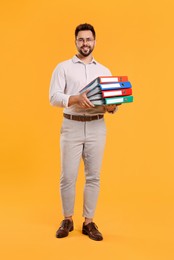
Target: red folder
(120, 92)
(110, 79)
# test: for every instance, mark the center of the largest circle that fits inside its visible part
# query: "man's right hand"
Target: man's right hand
(81, 100)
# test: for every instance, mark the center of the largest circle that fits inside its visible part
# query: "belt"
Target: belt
(82, 118)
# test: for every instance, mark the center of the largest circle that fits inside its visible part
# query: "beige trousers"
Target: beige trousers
(78, 140)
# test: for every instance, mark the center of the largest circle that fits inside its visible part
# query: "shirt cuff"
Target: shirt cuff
(66, 101)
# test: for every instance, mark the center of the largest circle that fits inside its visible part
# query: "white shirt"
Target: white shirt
(68, 78)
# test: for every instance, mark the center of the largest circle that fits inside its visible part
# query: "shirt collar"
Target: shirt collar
(75, 59)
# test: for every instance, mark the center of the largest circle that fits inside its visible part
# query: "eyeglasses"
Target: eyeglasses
(82, 40)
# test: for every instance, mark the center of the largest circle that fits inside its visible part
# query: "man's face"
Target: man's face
(85, 43)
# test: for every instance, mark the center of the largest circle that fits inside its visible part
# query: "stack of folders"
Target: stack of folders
(108, 90)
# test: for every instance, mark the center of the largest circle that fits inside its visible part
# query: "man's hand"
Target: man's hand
(111, 108)
(81, 100)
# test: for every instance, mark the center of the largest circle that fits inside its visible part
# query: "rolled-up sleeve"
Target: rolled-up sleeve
(57, 94)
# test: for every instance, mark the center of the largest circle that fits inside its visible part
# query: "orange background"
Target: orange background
(135, 211)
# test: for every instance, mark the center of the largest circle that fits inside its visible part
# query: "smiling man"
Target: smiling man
(85, 43)
(83, 130)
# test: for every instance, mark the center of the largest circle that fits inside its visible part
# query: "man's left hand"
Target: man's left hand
(111, 108)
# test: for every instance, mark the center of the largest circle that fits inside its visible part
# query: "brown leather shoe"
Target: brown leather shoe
(92, 231)
(64, 229)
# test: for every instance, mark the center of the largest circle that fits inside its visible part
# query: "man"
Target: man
(83, 130)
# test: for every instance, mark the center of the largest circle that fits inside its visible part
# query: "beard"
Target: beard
(85, 50)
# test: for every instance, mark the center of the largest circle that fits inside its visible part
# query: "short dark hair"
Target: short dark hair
(85, 27)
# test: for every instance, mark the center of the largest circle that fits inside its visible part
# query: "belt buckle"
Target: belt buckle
(84, 118)
(80, 118)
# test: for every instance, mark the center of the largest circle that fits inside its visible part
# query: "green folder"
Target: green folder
(118, 100)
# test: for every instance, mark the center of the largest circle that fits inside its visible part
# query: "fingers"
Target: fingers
(84, 101)
(111, 108)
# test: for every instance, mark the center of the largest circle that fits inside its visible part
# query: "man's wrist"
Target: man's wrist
(73, 100)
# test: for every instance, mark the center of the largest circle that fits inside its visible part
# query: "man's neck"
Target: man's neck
(84, 59)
